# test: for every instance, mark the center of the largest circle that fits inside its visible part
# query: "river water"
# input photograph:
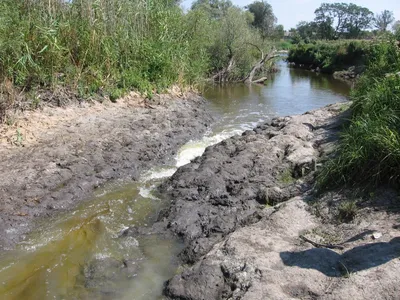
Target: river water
(52, 261)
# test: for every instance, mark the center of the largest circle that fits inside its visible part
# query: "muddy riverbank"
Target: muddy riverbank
(55, 158)
(253, 227)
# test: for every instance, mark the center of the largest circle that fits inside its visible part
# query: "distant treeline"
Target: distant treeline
(335, 21)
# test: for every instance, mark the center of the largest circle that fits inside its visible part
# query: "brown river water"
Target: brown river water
(50, 262)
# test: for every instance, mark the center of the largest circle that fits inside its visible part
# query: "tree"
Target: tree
(307, 30)
(383, 20)
(215, 8)
(359, 19)
(330, 14)
(279, 32)
(396, 26)
(338, 20)
(264, 18)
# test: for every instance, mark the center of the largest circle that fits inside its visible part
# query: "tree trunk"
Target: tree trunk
(259, 65)
(223, 75)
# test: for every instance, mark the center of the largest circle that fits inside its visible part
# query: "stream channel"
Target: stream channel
(51, 263)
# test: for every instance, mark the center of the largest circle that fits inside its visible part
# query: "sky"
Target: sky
(291, 12)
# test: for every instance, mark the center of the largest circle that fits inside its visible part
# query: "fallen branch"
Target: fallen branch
(259, 64)
(261, 80)
(318, 245)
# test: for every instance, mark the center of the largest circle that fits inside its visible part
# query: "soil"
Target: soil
(54, 158)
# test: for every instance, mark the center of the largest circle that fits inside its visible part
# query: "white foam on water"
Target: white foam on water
(158, 173)
(146, 192)
(186, 154)
(193, 149)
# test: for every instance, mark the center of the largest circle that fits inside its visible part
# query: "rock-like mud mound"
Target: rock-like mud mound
(231, 184)
(268, 260)
(241, 244)
(78, 149)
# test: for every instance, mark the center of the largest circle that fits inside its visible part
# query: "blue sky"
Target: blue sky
(291, 12)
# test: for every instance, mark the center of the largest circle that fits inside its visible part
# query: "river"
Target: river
(55, 261)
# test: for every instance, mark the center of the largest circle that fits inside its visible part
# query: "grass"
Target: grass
(369, 150)
(286, 177)
(97, 46)
(347, 211)
(107, 48)
(344, 270)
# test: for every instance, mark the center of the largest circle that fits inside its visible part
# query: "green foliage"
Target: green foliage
(215, 8)
(113, 46)
(339, 20)
(264, 18)
(383, 20)
(227, 40)
(397, 33)
(330, 56)
(346, 19)
(95, 45)
(347, 211)
(283, 45)
(369, 149)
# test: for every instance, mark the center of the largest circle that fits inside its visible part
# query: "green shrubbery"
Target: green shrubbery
(95, 46)
(330, 56)
(369, 149)
(108, 47)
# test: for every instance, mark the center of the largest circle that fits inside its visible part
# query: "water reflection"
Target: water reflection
(289, 91)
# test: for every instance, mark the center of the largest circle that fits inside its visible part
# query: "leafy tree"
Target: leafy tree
(307, 30)
(359, 19)
(346, 20)
(332, 13)
(279, 32)
(216, 8)
(396, 26)
(231, 43)
(264, 18)
(383, 20)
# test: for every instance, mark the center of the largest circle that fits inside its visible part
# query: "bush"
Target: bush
(330, 56)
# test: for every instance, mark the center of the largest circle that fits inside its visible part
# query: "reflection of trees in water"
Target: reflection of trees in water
(283, 87)
(231, 97)
(319, 81)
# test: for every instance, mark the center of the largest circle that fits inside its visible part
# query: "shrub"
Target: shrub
(330, 56)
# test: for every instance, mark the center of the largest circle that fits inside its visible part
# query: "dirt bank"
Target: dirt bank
(254, 229)
(54, 158)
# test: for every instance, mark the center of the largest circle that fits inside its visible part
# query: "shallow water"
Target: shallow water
(50, 263)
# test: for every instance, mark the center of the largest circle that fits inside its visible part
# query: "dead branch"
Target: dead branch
(318, 245)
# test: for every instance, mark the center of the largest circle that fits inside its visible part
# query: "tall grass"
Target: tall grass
(96, 45)
(108, 47)
(369, 149)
